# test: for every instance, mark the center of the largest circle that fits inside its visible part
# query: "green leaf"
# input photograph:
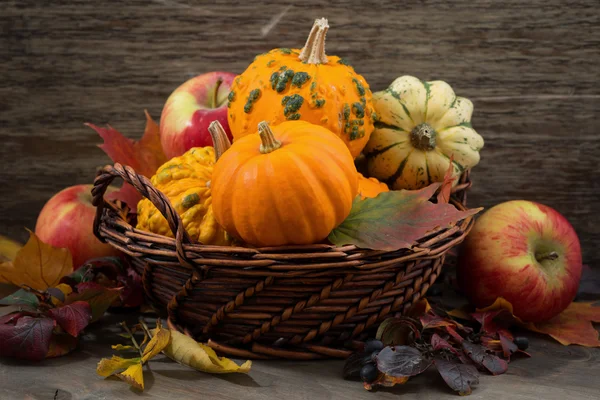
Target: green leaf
(21, 296)
(395, 220)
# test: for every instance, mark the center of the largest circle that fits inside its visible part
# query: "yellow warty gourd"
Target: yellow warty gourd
(185, 181)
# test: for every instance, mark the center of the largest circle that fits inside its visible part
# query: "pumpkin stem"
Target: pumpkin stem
(313, 51)
(423, 136)
(269, 143)
(220, 140)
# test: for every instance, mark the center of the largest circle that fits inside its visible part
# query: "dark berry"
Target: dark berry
(522, 342)
(435, 290)
(373, 345)
(369, 373)
(374, 355)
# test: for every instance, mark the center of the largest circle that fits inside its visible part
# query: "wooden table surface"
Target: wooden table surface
(554, 372)
(530, 68)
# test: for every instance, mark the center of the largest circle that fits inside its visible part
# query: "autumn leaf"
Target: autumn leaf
(187, 351)
(21, 296)
(144, 156)
(98, 297)
(61, 344)
(29, 338)
(37, 265)
(395, 220)
(573, 325)
(73, 318)
(480, 356)
(130, 370)
(419, 308)
(508, 346)
(446, 188)
(433, 321)
(459, 377)
(401, 361)
(386, 381)
(8, 249)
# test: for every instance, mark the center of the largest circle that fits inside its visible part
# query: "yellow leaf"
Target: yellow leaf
(8, 248)
(65, 289)
(159, 341)
(37, 265)
(108, 366)
(187, 351)
(120, 347)
(134, 376)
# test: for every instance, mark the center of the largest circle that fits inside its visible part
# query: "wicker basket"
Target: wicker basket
(296, 302)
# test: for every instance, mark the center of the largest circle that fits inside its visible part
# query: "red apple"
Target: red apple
(191, 108)
(67, 219)
(525, 252)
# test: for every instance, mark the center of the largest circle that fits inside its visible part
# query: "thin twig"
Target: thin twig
(135, 343)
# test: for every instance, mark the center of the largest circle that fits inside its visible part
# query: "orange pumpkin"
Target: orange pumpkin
(287, 185)
(370, 187)
(293, 84)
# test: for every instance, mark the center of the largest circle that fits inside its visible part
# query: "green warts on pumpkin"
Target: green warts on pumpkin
(190, 200)
(299, 79)
(230, 98)
(267, 138)
(292, 104)
(253, 96)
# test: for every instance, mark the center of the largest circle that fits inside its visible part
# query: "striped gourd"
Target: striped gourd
(419, 126)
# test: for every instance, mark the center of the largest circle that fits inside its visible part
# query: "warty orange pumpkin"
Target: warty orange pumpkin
(370, 187)
(303, 84)
(290, 184)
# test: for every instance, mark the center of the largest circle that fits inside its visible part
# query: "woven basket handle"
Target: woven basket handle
(143, 185)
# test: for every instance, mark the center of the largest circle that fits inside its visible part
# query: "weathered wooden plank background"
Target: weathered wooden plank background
(530, 67)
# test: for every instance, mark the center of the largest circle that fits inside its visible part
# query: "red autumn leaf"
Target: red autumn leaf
(433, 321)
(97, 296)
(73, 318)
(508, 346)
(446, 188)
(396, 219)
(144, 156)
(419, 308)
(401, 361)
(28, 339)
(454, 334)
(438, 343)
(61, 344)
(480, 356)
(573, 325)
(459, 377)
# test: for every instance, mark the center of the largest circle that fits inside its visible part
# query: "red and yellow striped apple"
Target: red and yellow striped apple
(191, 108)
(525, 252)
(66, 221)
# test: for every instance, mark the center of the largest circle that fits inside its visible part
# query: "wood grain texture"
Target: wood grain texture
(554, 372)
(531, 69)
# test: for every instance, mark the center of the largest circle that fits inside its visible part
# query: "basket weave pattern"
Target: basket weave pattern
(296, 302)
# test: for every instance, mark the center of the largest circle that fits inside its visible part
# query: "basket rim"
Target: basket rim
(110, 226)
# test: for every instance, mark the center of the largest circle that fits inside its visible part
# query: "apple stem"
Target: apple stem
(219, 137)
(546, 256)
(216, 92)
